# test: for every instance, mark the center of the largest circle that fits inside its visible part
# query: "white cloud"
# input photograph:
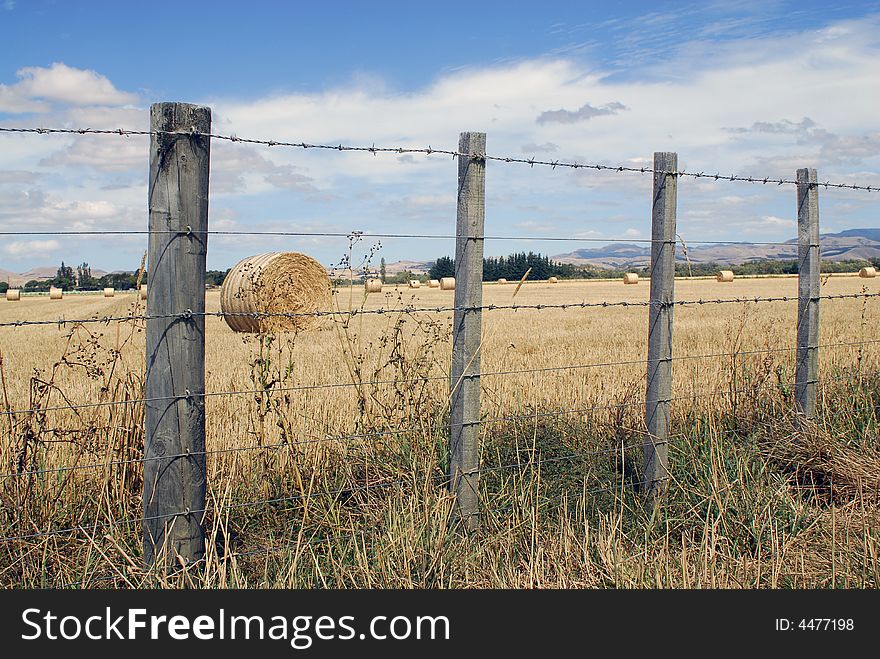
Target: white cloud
(19, 249)
(18, 176)
(584, 113)
(14, 102)
(771, 221)
(65, 84)
(755, 106)
(432, 201)
(104, 153)
(244, 169)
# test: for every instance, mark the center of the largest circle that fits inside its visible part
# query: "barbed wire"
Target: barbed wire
(324, 234)
(364, 234)
(428, 151)
(288, 444)
(351, 491)
(427, 378)
(257, 315)
(354, 490)
(347, 491)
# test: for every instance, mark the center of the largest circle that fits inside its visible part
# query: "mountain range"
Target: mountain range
(41, 273)
(852, 244)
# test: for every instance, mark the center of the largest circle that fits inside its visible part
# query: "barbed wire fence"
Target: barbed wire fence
(174, 459)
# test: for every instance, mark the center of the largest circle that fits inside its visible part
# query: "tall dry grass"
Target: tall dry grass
(352, 475)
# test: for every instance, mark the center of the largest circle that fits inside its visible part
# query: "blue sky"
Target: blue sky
(751, 88)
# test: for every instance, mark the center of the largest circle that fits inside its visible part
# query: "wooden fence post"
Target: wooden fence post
(659, 387)
(807, 368)
(174, 443)
(464, 432)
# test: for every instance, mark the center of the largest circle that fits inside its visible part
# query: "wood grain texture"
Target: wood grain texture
(464, 432)
(659, 375)
(807, 360)
(174, 486)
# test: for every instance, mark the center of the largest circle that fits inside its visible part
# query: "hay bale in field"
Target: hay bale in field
(415, 283)
(724, 275)
(275, 283)
(630, 278)
(502, 281)
(373, 286)
(109, 292)
(143, 292)
(55, 293)
(13, 294)
(868, 273)
(553, 280)
(433, 283)
(447, 283)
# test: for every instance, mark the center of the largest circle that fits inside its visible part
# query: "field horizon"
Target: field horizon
(327, 447)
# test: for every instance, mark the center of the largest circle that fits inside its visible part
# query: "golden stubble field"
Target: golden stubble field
(742, 511)
(400, 349)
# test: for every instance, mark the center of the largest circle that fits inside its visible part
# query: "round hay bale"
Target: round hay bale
(55, 293)
(433, 283)
(447, 283)
(415, 283)
(502, 281)
(724, 275)
(275, 283)
(553, 280)
(109, 292)
(13, 294)
(373, 286)
(143, 292)
(868, 273)
(630, 278)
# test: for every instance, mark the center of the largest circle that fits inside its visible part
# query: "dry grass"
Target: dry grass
(752, 503)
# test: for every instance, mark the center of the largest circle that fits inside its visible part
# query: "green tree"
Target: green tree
(443, 267)
(65, 278)
(118, 280)
(41, 285)
(216, 277)
(86, 282)
(382, 269)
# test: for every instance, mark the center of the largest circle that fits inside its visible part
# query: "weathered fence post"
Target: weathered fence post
(464, 432)
(174, 443)
(659, 388)
(807, 368)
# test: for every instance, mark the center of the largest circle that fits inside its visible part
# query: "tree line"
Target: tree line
(81, 279)
(511, 267)
(514, 267)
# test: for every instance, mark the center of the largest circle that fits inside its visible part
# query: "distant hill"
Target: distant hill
(40, 273)
(844, 246)
(12, 278)
(415, 267)
(870, 234)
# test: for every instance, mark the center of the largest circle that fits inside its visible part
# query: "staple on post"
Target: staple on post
(174, 486)
(659, 375)
(807, 360)
(464, 435)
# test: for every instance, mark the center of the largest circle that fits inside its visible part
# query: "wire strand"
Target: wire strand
(693, 396)
(428, 151)
(257, 315)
